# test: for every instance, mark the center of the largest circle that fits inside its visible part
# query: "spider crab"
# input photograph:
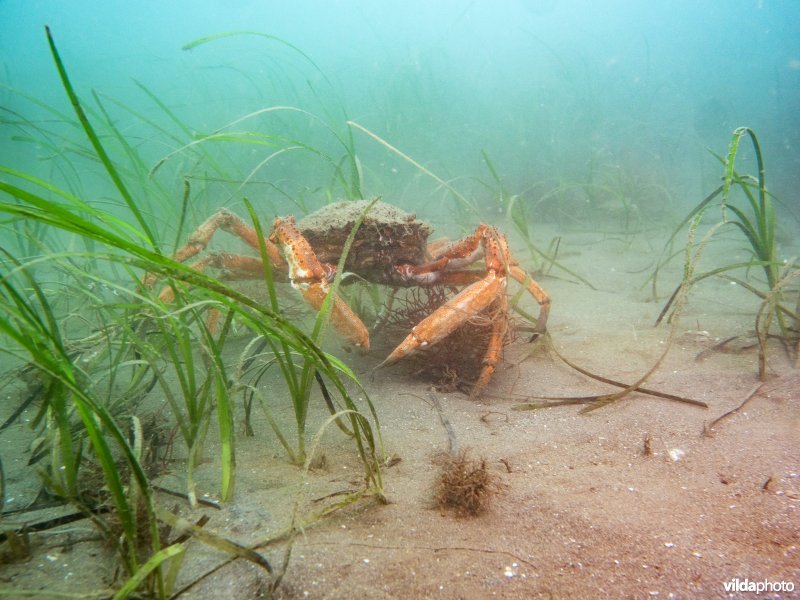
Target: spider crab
(389, 248)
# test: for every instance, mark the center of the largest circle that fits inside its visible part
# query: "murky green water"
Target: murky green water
(546, 119)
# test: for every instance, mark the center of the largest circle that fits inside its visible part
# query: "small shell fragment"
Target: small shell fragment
(676, 454)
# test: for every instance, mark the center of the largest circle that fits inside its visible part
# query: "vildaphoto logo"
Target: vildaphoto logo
(758, 587)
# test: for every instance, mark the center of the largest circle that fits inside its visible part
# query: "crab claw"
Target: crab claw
(310, 278)
(449, 317)
(343, 319)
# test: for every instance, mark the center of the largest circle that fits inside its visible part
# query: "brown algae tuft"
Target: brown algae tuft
(464, 485)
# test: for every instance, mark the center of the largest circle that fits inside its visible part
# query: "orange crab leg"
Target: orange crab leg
(494, 350)
(449, 317)
(233, 224)
(461, 252)
(538, 293)
(447, 265)
(445, 256)
(343, 319)
(499, 257)
(459, 278)
(235, 265)
(310, 277)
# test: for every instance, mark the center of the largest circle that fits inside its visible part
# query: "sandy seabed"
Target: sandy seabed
(634, 500)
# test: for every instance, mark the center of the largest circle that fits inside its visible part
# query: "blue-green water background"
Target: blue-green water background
(556, 92)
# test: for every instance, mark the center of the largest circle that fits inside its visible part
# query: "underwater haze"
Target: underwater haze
(621, 181)
(550, 91)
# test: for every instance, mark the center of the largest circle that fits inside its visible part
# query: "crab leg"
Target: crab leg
(461, 252)
(343, 319)
(235, 266)
(233, 224)
(494, 350)
(445, 257)
(449, 317)
(458, 278)
(538, 293)
(310, 277)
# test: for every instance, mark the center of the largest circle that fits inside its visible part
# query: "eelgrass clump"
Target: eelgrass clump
(756, 221)
(464, 485)
(85, 390)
